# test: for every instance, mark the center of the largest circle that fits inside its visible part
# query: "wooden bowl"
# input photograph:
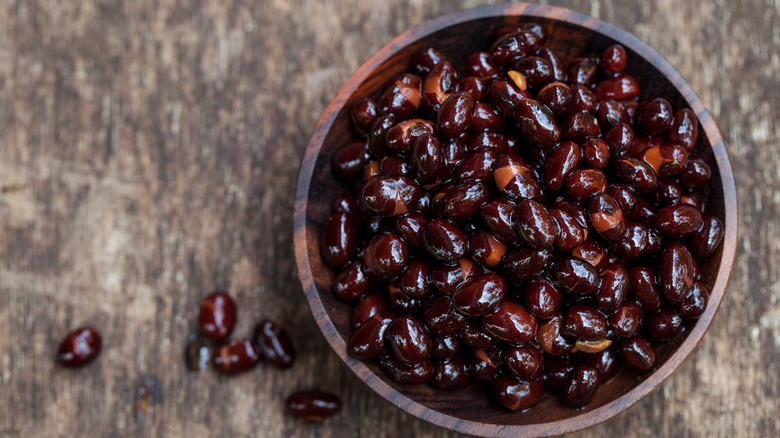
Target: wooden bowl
(472, 410)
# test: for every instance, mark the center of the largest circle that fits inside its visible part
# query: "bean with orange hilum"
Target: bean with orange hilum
(519, 222)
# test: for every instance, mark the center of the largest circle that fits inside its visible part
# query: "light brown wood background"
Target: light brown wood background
(149, 152)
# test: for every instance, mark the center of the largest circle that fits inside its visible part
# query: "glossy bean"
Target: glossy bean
(684, 129)
(198, 353)
(439, 83)
(675, 274)
(409, 339)
(389, 195)
(581, 386)
(524, 361)
(217, 316)
(626, 320)
(516, 394)
(620, 87)
(585, 323)
(642, 287)
(450, 374)
(448, 278)
(237, 356)
(635, 173)
(606, 217)
(442, 319)
(613, 288)
(464, 200)
(562, 161)
(486, 249)
(444, 240)
(595, 153)
(509, 47)
(402, 372)
(351, 283)
(479, 296)
(403, 98)
(663, 325)
(537, 123)
(535, 225)
(695, 302)
(678, 220)
(510, 323)
(637, 354)
(80, 347)
(273, 343)
(312, 406)
(445, 346)
(363, 114)
(552, 338)
(593, 253)
(455, 114)
(556, 97)
(667, 159)
(485, 364)
(576, 276)
(385, 256)
(707, 239)
(526, 264)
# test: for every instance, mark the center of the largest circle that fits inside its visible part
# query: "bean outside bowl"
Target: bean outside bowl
(457, 35)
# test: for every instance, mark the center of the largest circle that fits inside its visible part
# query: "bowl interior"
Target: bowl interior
(456, 41)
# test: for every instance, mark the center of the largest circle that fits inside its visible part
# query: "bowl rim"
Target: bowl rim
(556, 427)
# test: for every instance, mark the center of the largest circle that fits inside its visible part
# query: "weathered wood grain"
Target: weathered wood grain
(148, 154)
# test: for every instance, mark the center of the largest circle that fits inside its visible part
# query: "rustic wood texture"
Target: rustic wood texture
(149, 152)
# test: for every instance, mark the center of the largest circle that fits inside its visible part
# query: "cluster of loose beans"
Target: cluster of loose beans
(210, 347)
(519, 222)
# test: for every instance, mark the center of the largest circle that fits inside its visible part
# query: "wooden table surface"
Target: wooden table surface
(149, 152)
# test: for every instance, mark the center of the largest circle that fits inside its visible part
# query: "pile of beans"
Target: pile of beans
(519, 222)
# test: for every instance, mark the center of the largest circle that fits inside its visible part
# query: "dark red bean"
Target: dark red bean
(438, 85)
(695, 199)
(535, 225)
(663, 325)
(368, 339)
(581, 386)
(526, 264)
(524, 361)
(637, 174)
(667, 159)
(552, 339)
(449, 277)
(401, 137)
(612, 289)
(643, 212)
(402, 372)
(479, 296)
(485, 364)
(385, 256)
(605, 361)
(351, 283)
(556, 97)
(442, 319)
(424, 60)
(614, 58)
(217, 316)
(410, 227)
(312, 406)
(580, 126)
(368, 306)
(562, 161)
(668, 191)
(338, 241)
(595, 153)
(695, 174)
(675, 275)
(348, 162)
(486, 249)
(409, 339)
(584, 183)
(377, 143)
(707, 238)
(633, 242)
(364, 113)
(473, 86)
(403, 98)
(593, 253)
(481, 65)
(624, 195)
(505, 95)
(389, 195)
(585, 323)
(678, 221)
(606, 217)
(516, 394)
(684, 129)
(654, 116)
(427, 159)
(695, 302)
(515, 179)
(198, 353)
(510, 323)
(620, 87)
(525, 26)
(537, 123)
(274, 344)
(414, 280)
(576, 276)
(444, 240)
(464, 200)
(576, 211)
(537, 71)
(399, 301)
(557, 371)
(582, 99)
(475, 337)
(509, 47)
(235, 357)
(489, 141)
(637, 354)
(80, 347)
(477, 166)
(552, 58)
(571, 232)
(626, 320)
(499, 217)
(619, 138)
(455, 115)
(542, 299)
(450, 374)
(445, 346)
(611, 112)
(583, 71)
(642, 288)
(486, 117)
